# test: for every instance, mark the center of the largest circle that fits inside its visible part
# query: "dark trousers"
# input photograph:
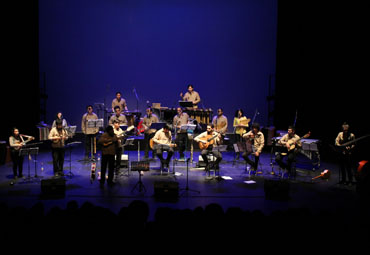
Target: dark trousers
(17, 163)
(345, 161)
(249, 161)
(89, 139)
(181, 141)
(107, 160)
(58, 159)
(217, 154)
(147, 137)
(291, 156)
(119, 151)
(159, 149)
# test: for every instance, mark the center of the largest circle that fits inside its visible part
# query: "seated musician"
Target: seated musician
(118, 116)
(148, 119)
(240, 126)
(208, 138)
(182, 118)
(16, 143)
(163, 142)
(255, 143)
(119, 101)
(220, 122)
(290, 142)
(191, 96)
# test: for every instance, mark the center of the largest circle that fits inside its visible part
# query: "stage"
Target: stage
(231, 190)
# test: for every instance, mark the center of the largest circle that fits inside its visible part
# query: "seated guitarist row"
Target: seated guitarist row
(206, 141)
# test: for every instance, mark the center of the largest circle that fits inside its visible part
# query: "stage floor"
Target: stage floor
(316, 195)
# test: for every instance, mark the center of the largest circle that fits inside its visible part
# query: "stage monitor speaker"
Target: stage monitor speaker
(3, 151)
(166, 190)
(53, 188)
(276, 189)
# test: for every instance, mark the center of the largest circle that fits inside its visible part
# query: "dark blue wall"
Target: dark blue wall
(89, 49)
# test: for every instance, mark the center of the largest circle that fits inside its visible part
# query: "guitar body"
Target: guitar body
(152, 144)
(209, 139)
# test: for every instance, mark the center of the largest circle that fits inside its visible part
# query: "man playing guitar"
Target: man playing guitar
(345, 158)
(255, 143)
(206, 141)
(289, 141)
(163, 142)
(149, 118)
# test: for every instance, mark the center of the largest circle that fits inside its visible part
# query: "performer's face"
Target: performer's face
(116, 125)
(179, 111)
(190, 89)
(255, 130)
(290, 132)
(16, 132)
(209, 129)
(219, 112)
(89, 109)
(118, 111)
(118, 96)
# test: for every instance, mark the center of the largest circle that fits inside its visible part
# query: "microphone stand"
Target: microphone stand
(186, 189)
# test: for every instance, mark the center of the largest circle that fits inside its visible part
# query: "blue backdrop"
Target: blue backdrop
(89, 49)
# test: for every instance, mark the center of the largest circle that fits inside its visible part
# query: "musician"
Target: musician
(255, 143)
(16, 142)
(119, 148)
(60, 117)
(163, 137)
(287, 141)
(108, 141)
(345, 158)
(220, 122)
(119, 101)
(90, 132)
(202, 139)
(240, 126)
(118, 116)
(191, 96)
(58, 135)
(148, 119)
(181, 118)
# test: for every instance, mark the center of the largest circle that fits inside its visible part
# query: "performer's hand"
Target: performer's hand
(257, 154)
(181, 94)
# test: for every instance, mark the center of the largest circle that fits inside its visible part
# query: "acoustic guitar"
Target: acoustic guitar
(152, 144)
(324, 175)
(293, 144)
(207, 141)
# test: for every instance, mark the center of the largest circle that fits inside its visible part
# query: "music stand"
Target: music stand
(128, 142)
(186, 104)
(70, 145)
(186, 189)
(28, 152)
(139, 166)
(71, 130)
(94, 123)
(189, 128)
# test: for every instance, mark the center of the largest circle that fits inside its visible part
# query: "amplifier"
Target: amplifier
(166, 190)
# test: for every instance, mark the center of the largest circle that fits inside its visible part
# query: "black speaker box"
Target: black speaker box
(53, 188)
(166, 190)
(276, 189)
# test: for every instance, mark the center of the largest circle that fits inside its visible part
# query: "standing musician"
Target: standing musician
(118, 116)
(148, 119)
(108, 140)
(182, 118)
(206, 141)
(290, 141)
(90, 133)
(240, 126)
(191, 96)
(16, 142)
(163, 137)
(255, 143)
(119, 101)
(60, 117)
(220, 123)
(345, 158)
(58, 135)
